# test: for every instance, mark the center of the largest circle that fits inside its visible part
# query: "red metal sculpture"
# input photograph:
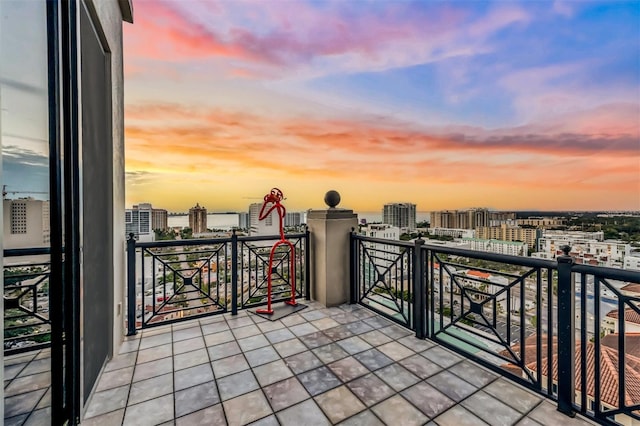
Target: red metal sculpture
(274, 198)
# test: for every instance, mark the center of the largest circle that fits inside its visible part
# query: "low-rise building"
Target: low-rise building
(381, 230)
(632, 261)
(513, 248)
(542, 222)
(586, 248)
(452, 232)
(510, 233)
(610, 322)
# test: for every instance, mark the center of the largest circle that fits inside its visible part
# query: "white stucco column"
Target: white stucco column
(329, 245)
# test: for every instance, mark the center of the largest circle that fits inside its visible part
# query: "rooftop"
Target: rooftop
(630, 315)
(342, 365)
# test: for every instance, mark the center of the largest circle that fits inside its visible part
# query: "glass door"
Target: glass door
(38, 99)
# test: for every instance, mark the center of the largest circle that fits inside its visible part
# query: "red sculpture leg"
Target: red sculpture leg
(273, 198)
(269, 311)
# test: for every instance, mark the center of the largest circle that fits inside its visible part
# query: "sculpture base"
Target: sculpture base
(280, 310)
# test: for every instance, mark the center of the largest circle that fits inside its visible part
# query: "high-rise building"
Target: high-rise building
(198, 219)
(402, 215)
(268, 226)
(138, 220)
(26, 223)
(293, 219)
(243, 220)
(465, 219)
(159, 219)
(142, 219)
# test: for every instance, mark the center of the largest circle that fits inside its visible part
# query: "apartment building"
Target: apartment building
(138, 221)
(585, 249)
(159, 219)
(452, 232)
(509, 233)
(467, 219)
(26, 223)
(402, 215)
(198, 219)
(542, 222)
(268, 226)
(513, 248)
(243, 220)
(293, 219)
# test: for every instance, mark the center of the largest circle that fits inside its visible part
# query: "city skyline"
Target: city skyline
(518, 106)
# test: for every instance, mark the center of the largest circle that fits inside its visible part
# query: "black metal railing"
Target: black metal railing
(384, 278)
(171, 281)
(26, 300)
(561, 329)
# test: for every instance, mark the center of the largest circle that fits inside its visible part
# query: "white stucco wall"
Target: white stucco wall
(110, 17)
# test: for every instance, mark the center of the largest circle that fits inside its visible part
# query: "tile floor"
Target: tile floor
(27, 379)
(320, 366)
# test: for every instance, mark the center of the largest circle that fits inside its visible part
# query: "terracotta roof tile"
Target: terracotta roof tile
(608, 368)
(630, 315)
(479, 274)
(631, 287)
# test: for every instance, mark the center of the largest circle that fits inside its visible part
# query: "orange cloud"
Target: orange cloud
(246, 149)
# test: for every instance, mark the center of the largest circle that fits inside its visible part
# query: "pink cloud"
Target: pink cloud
(318, 39)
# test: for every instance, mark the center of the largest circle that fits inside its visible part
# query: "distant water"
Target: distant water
(229, 220)
(214, 221)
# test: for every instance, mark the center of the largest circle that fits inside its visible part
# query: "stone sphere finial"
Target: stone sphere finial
(332, 198)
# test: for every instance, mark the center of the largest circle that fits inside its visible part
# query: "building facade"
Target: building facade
(542, 222)
(452, 232)
(198, 219)
(383, 230)
(268, 226)
(632, 262)
(513, 248)
(509, 233)
(138, 221)
(585, 249)
(385, 254)
(159, 219)
(466, 219)
(293, 219)
(243, 220)
(65, 83)
(26, 223)
(402, 215)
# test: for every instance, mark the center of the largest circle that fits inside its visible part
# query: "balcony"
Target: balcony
(475, 347)
(319, 366)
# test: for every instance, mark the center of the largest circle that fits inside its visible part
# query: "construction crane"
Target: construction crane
(5, 192)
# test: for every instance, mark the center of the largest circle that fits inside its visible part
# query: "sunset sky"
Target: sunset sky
(509, 105)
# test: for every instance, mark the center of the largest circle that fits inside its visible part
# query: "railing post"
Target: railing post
(307, 264)
(419, 291)
(353, 268)
(566, 333)
(234, 273)
(131, 285)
